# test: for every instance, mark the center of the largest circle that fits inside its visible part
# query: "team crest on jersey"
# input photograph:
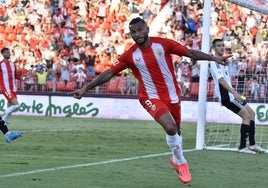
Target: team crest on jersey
(159, 52)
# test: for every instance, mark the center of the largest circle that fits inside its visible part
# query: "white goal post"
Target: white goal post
(219, 136)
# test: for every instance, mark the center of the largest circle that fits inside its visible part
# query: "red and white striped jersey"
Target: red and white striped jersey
(153, 67)
(8, 76)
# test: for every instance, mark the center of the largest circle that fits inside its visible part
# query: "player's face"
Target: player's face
(6, 54)
(139, 33)
(219, 48)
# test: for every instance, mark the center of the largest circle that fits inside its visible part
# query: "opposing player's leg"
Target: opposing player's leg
(252, 144)
(247, 128)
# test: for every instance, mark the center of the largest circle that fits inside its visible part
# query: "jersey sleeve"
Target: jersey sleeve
(121, 63)
(176, 48)
(215, 70)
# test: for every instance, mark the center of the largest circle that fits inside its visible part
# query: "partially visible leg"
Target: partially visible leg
(3, 127)
(11, 107)
(244, 132)
(161, 112)
(240, 109)
(252, 143)
(174, 141)
(251, 125)
(10, 136)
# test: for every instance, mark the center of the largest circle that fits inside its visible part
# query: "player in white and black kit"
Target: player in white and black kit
(232, 100)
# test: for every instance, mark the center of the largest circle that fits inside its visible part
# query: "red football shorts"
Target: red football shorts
(9, 95)
(157, 108)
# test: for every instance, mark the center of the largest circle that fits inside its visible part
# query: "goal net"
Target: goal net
(217, 127)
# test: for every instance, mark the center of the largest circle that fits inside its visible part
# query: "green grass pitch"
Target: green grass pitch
(102, 153)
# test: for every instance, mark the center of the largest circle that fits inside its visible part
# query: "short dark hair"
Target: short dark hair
(3, 50)
(136, 20)
(215, 41)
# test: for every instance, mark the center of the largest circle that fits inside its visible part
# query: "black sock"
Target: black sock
(252, 133)
(3, 127)
(244, 131)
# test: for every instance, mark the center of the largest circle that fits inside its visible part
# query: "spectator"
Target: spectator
(178, 13)
(195, 67)
(130, 85)
(68, 39)
(241, 82)
(29, 80)
(82, 7)
(64, 10)
(185, 68)
(249, 87)
(255, 89)
(178, 73)
(90, 63)
(22, 5)
(41, 79)
(233, 69)
(54, 6)
(81, 27)
(147, 15)
(263, 87)
(65, 74)
(102, 10)
(2, 2)
(186, 87)
(242, 65)
(58, 18)
(91, 27)
(52, 78)
(80, 77)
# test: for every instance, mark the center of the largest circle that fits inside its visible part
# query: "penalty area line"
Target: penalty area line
(85, 165)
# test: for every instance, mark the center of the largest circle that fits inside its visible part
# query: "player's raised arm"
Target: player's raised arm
(199, 55)
(99, 80)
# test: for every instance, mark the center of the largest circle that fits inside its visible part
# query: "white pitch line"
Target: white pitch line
(46, 157)
(85, 165)
(52, 130)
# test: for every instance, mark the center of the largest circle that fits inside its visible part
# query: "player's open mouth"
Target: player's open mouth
(139, 39)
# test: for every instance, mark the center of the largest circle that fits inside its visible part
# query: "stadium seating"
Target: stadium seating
(60, 86)
(121, 84)
(112, 86)
(194, 87)
(99, 68)
(20, 84)
(210, 88)
(49, 86)
(70, 86)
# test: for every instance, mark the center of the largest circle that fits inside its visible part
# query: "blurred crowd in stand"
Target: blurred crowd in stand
(59, 45)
